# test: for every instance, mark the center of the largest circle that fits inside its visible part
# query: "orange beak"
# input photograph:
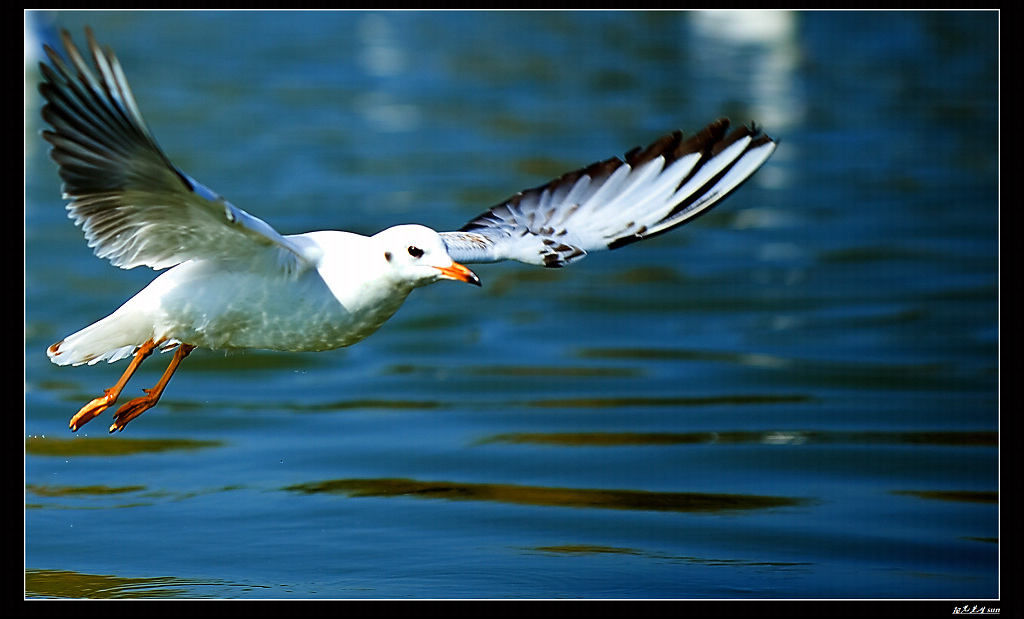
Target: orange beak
(460, 273)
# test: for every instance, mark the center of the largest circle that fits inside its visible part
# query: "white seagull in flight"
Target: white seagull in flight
(233, 282)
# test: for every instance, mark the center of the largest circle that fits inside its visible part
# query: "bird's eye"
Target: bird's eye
(415, 252)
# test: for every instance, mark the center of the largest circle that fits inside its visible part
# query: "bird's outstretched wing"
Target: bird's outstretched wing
(615, 202)
(135, 207)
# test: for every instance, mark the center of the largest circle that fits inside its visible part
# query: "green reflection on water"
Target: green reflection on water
(538, 495)
(65, 584)
(42, 446)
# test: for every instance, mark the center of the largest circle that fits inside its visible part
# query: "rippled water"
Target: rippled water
(794, 397)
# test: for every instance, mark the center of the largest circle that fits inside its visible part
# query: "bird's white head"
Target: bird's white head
(417, 255)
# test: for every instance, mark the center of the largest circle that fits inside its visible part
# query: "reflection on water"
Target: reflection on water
(60, 584)
(69, 491)
(787, 437)
(65, 448)
(551, 497)
(668, 401)
(967, 496)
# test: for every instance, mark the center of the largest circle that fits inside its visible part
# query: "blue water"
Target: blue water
(794, 397)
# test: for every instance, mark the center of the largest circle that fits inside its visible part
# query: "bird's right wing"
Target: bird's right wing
(135, 207)
(615, 202)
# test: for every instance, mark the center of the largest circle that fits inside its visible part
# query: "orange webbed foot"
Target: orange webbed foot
(132, 409)
(93, 409)
(136, 407)
(105, 401)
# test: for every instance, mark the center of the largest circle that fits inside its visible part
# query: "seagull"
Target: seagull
(233, 282)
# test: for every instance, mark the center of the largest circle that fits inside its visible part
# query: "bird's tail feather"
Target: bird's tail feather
(110, 340)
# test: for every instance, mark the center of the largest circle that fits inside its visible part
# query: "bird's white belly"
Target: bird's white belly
(208, 305)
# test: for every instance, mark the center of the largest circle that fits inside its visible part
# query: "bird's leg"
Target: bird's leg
(102, 403)
(136, 407)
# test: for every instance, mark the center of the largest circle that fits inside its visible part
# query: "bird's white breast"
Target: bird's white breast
(225, 305)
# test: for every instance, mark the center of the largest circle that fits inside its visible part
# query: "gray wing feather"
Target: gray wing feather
(615, 202)
(134, 206)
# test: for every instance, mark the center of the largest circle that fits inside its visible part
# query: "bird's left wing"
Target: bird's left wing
(617, 201)
(135, 207)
